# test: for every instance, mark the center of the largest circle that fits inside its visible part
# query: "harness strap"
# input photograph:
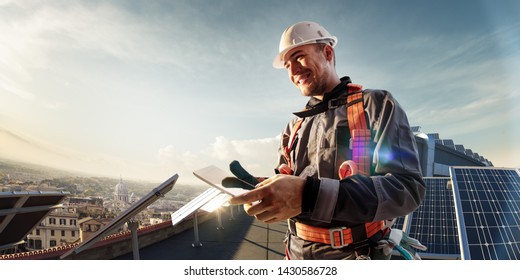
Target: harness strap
(337, 237)
(355, 112)
(290, 146)
(359, 133)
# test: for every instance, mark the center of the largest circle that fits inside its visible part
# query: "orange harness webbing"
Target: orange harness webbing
(288, 149)
(359, 132)
(336, 237)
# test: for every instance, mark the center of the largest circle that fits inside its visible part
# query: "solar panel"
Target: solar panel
(20, 212)
(220, 200)
(487, 204)
(434, 223)
(212, 198)
(460, 148)
(202, 199)
(448, 142)
(399, 222)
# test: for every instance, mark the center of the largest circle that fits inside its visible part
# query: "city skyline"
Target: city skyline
(146, 90)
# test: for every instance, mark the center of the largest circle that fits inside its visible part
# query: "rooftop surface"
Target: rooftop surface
(242, 238)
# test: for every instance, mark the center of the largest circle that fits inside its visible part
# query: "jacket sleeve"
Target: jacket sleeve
(396, 187)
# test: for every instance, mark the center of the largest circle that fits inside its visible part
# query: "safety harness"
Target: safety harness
(360, 136)
(360, 164)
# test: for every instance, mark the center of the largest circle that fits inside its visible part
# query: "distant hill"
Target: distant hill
(85, 184)
(31, 172)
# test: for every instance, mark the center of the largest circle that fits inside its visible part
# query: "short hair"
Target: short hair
(320, 46)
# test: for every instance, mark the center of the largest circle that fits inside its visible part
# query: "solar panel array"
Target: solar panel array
(448, 142)
(487, 204)
(434, 223)
(460, 148)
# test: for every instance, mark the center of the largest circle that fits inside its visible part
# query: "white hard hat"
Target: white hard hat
(302, 33)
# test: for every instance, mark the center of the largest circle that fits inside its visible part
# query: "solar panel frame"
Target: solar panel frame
(487, 204)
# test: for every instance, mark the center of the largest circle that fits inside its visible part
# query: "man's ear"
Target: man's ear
(328, 52)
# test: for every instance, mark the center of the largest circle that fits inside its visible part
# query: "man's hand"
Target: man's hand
(278, 197)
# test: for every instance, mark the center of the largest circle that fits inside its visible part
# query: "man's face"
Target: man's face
(308, 69)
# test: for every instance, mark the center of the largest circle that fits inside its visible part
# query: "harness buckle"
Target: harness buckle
(341, 240)
(333, 104)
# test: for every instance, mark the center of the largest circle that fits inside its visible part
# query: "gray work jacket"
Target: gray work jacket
(395, 187)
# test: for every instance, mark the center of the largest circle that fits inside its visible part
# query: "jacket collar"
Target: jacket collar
(316, 106)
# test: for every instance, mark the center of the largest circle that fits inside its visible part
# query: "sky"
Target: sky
(148, 89)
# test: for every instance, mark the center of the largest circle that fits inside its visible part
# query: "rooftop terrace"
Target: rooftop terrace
(243, 238)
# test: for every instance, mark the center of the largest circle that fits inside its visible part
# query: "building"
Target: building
(58, 228)
(87, 205)
(437, 155)
(121, 198)
(89, 226)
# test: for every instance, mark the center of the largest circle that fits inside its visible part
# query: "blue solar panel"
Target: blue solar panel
(487, 203)
(460, 148)
(448, 142)
(399, 222)
(434, 223)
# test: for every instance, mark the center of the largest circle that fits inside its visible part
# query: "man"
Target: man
(332, 215)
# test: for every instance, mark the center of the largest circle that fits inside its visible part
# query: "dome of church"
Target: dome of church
(120, 188)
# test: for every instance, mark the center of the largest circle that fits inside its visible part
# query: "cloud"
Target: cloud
(13, 136)
(54, 106)
(5, 85)
(258, 156)
(43, 30)
(460, 85)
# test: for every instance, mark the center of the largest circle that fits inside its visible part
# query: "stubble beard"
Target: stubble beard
(317, 87)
